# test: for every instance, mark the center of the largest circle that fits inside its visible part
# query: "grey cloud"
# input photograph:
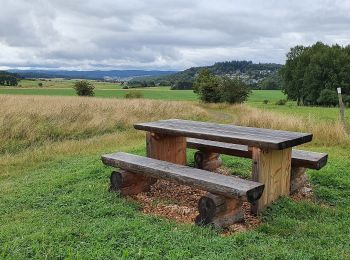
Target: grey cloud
(162, 34)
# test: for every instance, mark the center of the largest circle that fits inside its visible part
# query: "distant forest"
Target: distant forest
(8, 79)
(110, 75)
(257, 76)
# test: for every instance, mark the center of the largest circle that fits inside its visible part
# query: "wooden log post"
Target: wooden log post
(218, 211)
(298, 179)
(207, 160)
(272, 168)
(128, 183)
(341, 107)
(166, 148)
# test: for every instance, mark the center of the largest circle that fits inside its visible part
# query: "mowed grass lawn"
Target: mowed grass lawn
(54, 201)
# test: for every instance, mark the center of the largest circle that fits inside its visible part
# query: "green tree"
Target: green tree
(233, 90)
(272, 82)
(328, 98)
(206, 85)
(310, 70)
(181, 84)
(84, 88)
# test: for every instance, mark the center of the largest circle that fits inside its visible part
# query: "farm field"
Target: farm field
(109, 90)
(64, 83)
(163, 93)
(55, 204)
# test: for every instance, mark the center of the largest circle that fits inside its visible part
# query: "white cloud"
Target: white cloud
(155, 34)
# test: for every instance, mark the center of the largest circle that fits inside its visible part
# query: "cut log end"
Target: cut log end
(255, 194)
(116, 181)
(207, 160)
(218, 211)
(128, 183)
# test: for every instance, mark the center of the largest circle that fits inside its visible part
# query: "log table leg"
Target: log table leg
(273, 168)
(166, 148)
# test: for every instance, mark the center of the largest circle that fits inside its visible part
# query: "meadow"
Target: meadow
(54, 201)
(60, 87)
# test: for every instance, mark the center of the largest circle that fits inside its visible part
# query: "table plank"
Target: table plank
(251, 136)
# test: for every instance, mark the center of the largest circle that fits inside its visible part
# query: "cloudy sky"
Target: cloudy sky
(160, 34)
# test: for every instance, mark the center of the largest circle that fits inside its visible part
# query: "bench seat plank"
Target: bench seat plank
(227, 186)
(306, 159)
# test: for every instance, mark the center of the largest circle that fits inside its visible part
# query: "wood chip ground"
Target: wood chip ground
(178, 203)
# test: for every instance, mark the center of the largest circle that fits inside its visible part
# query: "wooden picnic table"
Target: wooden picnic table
(271, 149)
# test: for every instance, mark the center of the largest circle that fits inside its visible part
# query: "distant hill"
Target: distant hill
(93, 74)
(251, 73)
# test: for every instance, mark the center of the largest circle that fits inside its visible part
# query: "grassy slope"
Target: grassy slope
(54, 203)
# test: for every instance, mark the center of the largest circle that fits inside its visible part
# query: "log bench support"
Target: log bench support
(129, 183)
(300, 160)
(221, 206)
(298, 179)
(207, 160)
(219, 211)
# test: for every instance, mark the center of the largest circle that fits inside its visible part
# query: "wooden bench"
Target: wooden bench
(208, 157)
(220, 207)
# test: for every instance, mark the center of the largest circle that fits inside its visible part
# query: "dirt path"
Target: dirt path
(222, 117)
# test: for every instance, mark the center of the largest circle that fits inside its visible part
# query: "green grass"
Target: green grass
(149, 93)
(63, 83)
(322, 113)
(258, 96)
(62, 209)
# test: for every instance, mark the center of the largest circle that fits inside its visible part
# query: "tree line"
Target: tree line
(251, 73)
(312, 74)
(8, 79)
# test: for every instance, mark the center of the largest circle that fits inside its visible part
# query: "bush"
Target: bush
(40, 84)
(281, 102)
(151, 84)
(265, 101)
(213, 89)
(125, 87)
(327, 98)
(233, 90)
(84, 88)
(138, 84)
(164, 83)
(346, 100)
(133, 94)
(206, 86)
(182, 85)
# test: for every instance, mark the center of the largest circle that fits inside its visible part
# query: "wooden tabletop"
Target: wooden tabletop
(255, 137)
